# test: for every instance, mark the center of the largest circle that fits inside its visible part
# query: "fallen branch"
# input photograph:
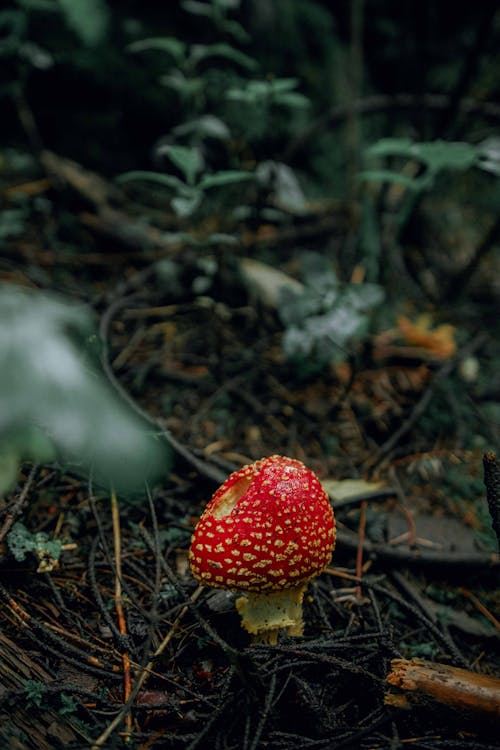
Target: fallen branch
(419, 557)
(461, 689)
(120, 614)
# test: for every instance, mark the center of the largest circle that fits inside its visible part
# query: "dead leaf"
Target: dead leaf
(266, 282)
(439, 342)
(345, 491)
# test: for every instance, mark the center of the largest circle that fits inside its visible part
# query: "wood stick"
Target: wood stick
(458, 688)
(120, 614)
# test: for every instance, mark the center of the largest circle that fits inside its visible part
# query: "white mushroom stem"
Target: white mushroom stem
(265, 614)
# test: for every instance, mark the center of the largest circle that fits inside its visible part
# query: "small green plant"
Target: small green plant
(272, 92)
(35, 692)
(68, 705)
(324, 319)
(186, 75)
(435, 157)
(219, 102)
(190, 191)
(21, 541)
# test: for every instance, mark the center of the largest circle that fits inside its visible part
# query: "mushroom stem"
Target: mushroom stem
(263, 615)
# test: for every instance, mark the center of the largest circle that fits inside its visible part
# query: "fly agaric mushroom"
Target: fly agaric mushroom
(265, 533)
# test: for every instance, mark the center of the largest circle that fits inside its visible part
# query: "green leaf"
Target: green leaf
(324, 319)
(439, 155)
(236, 30)
(197, 8)
(51, 385)
(89, 19)
(21, 541)
(185, 87)
(228, 177)
(206, 126)
(391, 147)
(169, 44)
(166, 180)
(68, 705)
(186, 205)
(188, 160)
(385, 175)
(282, 85)
(363, 297)
(436, 155)
(200, 52)
(35, 691)
(294, 100)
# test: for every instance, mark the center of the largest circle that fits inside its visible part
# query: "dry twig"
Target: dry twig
(122, 623)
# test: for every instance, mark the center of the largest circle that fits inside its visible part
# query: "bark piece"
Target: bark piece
(458, 688)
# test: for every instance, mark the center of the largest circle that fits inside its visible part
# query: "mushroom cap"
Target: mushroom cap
(270, 526)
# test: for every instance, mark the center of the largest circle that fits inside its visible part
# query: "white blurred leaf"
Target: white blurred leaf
(266, 282)
(51, 388)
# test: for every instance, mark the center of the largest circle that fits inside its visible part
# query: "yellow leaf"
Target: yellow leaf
(346, 488)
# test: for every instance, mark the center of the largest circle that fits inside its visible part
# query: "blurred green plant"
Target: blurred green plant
(187, 75)
(219, 103)
(217, 11)
(56, 404)
(88, 19)
(326, 318)
(270, 92)
(189, 192)
(435, 156)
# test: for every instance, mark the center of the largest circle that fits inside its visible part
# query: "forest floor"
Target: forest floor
(117, 643)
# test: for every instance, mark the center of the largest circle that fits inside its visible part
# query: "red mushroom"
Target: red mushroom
(266, 532)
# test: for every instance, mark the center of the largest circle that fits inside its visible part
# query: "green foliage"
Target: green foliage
(188, 194)
(12, 31)
(326, 318)
(35, 692)
(12, 223)
(89, 19)
(68, 705)
(217, 11)
(21, 541)
(218, 101)
(436, 156)
(168, 44)
(279, 92)
(54, 401)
